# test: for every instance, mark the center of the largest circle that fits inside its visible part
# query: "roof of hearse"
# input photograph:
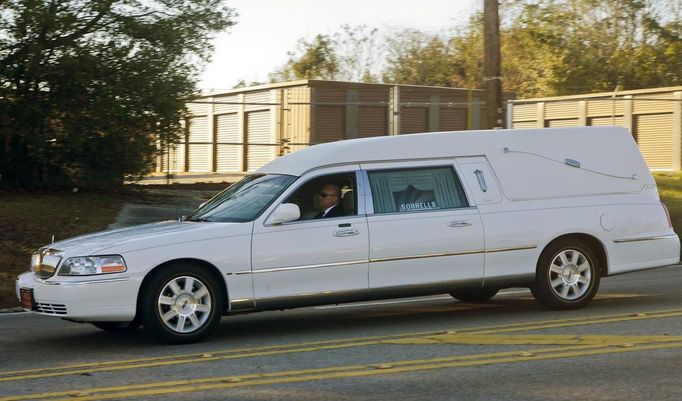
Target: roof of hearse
(584, 142)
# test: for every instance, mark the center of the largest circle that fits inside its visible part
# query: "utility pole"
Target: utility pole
(492, 72)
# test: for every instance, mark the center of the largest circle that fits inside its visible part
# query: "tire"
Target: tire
(181, 304)
(568, 275)
(117, 327)
(477, 295)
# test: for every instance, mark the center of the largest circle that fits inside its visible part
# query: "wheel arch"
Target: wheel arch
(592, 241)
(210, 268)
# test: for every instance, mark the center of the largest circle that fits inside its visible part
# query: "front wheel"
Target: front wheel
(182, 304)
(568, 274)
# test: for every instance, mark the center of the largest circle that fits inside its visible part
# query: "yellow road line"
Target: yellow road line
(274, 374)
(108, 366)
(551, 339)
(577, 322)
(348, 371)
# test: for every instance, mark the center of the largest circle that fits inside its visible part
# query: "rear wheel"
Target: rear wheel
(568, 275)
(477, 295)
(182, 304)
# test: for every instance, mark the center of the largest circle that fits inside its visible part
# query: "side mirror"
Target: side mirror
(284, 213)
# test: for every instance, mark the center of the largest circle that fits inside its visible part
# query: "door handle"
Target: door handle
(346, 233)
(462, 223)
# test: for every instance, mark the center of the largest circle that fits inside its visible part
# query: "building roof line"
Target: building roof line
(602, 95)
(313, 82)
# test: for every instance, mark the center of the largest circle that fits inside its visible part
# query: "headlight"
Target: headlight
(90, 265)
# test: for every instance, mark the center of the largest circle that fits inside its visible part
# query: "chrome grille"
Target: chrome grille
(44, 263)
(50, 309)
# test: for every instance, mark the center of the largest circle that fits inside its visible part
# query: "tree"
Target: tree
(549, 47)
(359, 51)
(601, 44)
(86, 86)
(419, 59)
(352, 54)
(312, 60)
(552, 47)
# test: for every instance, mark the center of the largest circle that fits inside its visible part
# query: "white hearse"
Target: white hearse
(464, 213)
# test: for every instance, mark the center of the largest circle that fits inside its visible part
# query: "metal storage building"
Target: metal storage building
(654, 116)
(237, 131)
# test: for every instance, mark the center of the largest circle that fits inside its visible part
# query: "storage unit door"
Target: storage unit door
(174, 160)
(452, 119)
(260, 139)
(654, 133)
(199, 145)
(568, 122)
(414, 119)
(330, 123)
(227, 136)
(525, 124)
(373, 121)
(606, 121)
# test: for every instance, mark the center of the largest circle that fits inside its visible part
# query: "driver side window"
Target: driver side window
(326, 196)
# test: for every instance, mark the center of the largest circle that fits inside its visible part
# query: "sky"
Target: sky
(267, 29)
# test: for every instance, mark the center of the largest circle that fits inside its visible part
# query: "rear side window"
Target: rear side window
(409, 190)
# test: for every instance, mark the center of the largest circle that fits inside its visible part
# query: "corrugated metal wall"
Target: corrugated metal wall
(452, 119)
(566, 122)
(239, 131)
(371, 117)
(372, 121)
(414, 119)
(345, 111)
(655, 140)
(294, 118)
(525, 124)
(605, 121)
(172, 159)
(176, 158)
(199, 145)
(220, 132)
(260, 139)
(654, 117)
(329, 123)
(440, 110)
(228, 152)
(329, 112)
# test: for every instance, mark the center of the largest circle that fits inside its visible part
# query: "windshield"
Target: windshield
(245, 200)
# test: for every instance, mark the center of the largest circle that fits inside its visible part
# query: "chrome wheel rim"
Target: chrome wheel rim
(184, 304)
(570, 274)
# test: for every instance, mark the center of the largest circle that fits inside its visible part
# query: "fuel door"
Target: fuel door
(480, 178)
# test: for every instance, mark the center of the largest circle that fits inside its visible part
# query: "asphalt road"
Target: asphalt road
(626, 345)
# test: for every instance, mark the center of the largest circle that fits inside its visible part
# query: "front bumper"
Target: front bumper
(88, 299)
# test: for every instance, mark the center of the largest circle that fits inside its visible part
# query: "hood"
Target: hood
(145, 236)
